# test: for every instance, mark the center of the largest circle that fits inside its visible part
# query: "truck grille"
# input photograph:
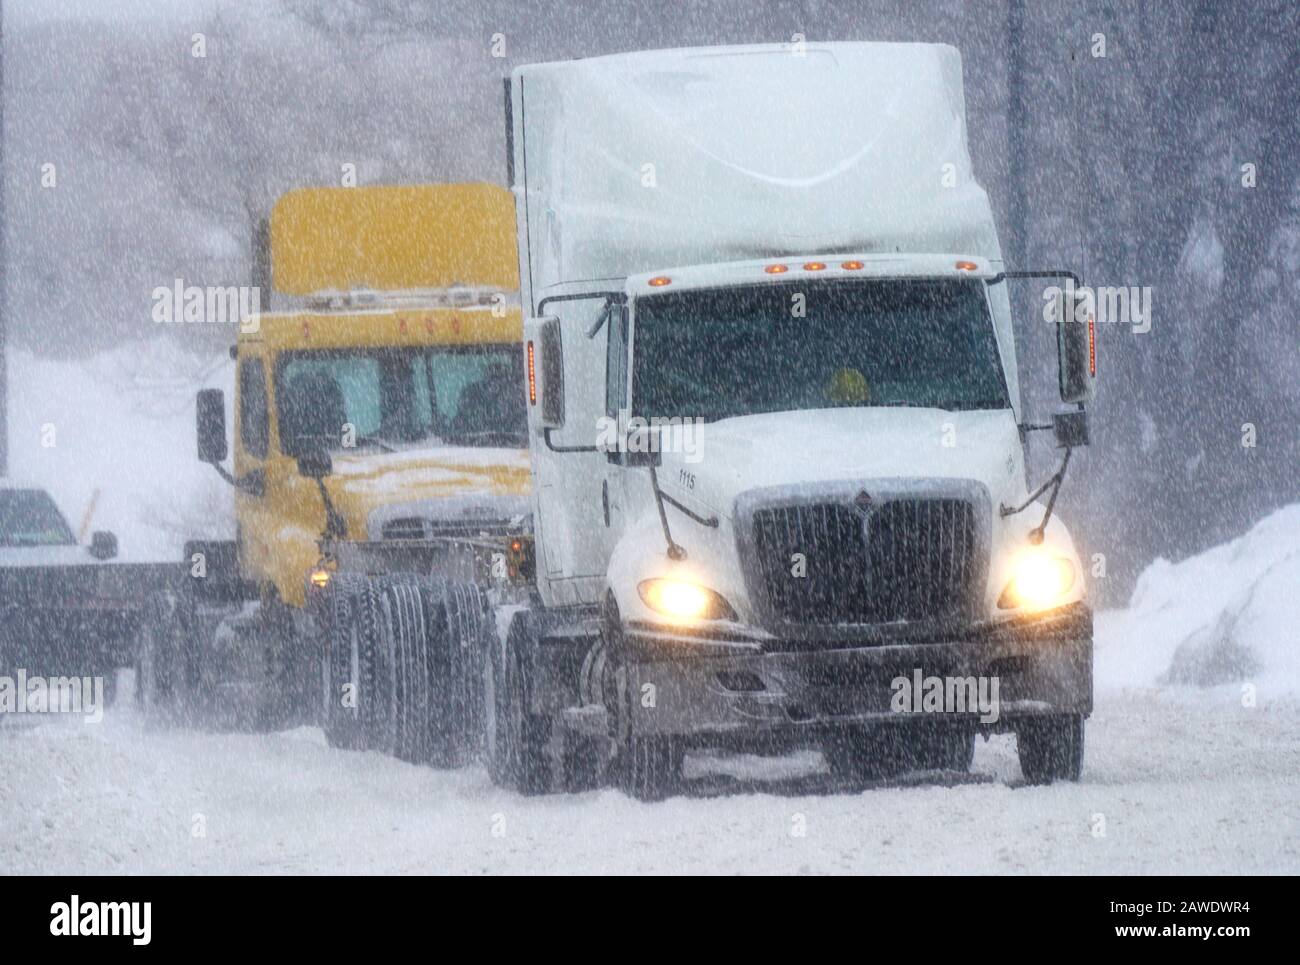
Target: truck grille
(417, 528)
(902, 559)
(409, 527)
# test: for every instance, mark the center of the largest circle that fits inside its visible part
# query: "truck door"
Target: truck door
(252, 442)
(613, 505)
(568, 468)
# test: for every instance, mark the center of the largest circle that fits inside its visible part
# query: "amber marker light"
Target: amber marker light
(532, 377)
(776, 269)
(814, 266)
(852, 266)
(659, 281)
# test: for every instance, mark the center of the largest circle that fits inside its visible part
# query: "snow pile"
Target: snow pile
(112, 436)
(1225, 617)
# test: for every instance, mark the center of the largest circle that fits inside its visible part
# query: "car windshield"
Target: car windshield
(28, 517)
(391, 399)
(717, 353)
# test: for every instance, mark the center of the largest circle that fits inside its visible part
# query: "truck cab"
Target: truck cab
(774, 409)
(377, 407)
(411, 392)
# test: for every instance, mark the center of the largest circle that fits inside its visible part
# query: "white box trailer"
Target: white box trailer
(775, 425)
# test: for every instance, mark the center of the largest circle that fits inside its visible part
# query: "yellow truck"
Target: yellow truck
(400, 364)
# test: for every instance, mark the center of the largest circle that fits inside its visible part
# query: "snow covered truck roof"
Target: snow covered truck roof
(640, 161)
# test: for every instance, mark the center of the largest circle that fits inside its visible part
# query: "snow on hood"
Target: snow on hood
(823, 445)
(1226, 617)
(377, 478)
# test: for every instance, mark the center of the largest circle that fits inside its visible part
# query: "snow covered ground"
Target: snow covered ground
(1192, 766)
(1174, 783)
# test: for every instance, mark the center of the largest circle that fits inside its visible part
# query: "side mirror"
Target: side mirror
(1070, 429)
(545, 364)
(315, 464)
(103, 545)
(210, 425)
(1076, 347)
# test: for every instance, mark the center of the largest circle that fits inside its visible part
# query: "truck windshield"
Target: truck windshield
(392, 399)
(717, 353)
(28, 517)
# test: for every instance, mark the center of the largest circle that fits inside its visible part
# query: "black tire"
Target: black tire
(340, 713)
(286, 701)
(647, 767)
(359, 710)
(406, 628)
(457, 646)
(1051, 748)
(650, 768)
(515, 741)
(166, 673)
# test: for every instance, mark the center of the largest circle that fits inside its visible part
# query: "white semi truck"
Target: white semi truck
(776, 429)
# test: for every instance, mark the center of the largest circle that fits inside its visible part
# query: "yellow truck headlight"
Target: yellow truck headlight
(682, 600)
(1039, 581)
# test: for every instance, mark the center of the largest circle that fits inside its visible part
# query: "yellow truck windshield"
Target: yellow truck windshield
(391, 399)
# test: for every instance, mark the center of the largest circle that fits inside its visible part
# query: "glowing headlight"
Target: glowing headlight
(1039, 581)
(684, 601)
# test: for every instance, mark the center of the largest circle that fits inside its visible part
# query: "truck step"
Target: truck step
(587, 720)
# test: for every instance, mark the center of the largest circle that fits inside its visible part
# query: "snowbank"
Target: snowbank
(1225, 617)
(113, 435)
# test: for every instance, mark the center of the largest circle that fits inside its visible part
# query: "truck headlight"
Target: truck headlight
(682, 600)
(1039, 581)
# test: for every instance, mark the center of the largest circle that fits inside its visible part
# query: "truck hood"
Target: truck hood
(826, 445)
(437, 483)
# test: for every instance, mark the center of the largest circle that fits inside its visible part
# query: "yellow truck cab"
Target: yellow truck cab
(394, 355)
(420, 409)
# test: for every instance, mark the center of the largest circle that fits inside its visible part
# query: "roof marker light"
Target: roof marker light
(814, 265)
(776, 269)
(659, 281)
(967, 266)
(852, 266)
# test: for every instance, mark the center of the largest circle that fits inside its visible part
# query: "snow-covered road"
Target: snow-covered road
(1175, 781)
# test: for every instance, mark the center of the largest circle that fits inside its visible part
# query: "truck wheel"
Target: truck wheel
(165, 671)
(650, 768)
(457, 645)
(1051, 748)
(360, 657)
(410, 640)
(341, 668)
(514, 740)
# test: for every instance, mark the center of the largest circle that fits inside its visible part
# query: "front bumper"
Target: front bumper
(687, 685)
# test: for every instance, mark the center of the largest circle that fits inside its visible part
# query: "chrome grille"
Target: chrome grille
(900, 559)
